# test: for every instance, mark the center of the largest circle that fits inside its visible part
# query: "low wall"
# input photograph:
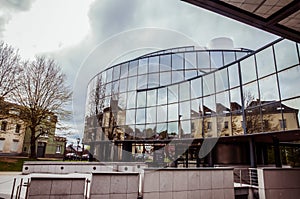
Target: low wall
(204, 183)
(47, 187)
(80, 167)
(114, 185)
(275, 183)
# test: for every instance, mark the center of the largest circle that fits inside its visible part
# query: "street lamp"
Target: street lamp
(78, 140)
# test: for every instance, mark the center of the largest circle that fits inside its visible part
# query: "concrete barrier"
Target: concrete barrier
(53, 187)
(204, 183)
(279, 183)
(114, 185)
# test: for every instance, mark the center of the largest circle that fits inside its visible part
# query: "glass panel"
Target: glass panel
(162, 96)
(153, 80)
(116, 73)
(151, 97)
(142, 82)
(196, 88)
(162, 114)
(108, 89)
(121, 118)
(165, 78)
(268, 88)
(265, 62)
(150, 130)
(190, 74)
(209, 106)
(216, 59)
(151, 115)
(161, 128)
(129, 131)
(208, 84)
(140, 131)
(250, 94)
(271, 115)
(173, 129)
(222, 105)
(240, 55)
(289, 82)
(248, 70)
(224, 125)
(235, 101)
(233, 76)
(177, 76)
(141, 99)
(177, 61)
(109, 75)
(186, 128)
(165, 62)
(140, 116)
(228, 57)
(196, 128)
(184, 91)
(196, 108)
(132, 83)
(115, 88)
(172, 112)
(185, 110)
(291, 113)
(123, 85)
(190, 60)
(124, 70)
(122, 100)
(133, 68)
(203, 60)
(286, 54)
(221, 80)
(131, 99)
(153, 64)
(173, 93)
(253, 119)
(143, 65)
(210, 126)
(130, 117)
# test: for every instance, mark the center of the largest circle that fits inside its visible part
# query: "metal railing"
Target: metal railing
(246, 176)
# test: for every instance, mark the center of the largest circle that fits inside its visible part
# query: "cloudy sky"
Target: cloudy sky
(85, 36)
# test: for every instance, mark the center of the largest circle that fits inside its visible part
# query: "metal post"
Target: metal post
(13, 189)
(277, 152)
(253, 163)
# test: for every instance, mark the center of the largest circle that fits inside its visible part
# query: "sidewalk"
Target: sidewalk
(6, 183)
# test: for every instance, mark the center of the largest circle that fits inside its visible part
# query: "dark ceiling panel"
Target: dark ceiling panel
(283, 21)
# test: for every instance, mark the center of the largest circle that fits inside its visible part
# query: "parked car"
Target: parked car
(71, 156)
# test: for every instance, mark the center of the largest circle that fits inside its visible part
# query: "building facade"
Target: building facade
(186, 94)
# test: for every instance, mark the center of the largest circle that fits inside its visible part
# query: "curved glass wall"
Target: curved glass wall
(187, 93)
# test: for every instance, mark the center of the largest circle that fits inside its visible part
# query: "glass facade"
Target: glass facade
(185, 93)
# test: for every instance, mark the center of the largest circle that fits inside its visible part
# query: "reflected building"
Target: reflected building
(173, 100)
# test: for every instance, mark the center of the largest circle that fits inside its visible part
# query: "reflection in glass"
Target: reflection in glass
(173, 93)
(161, 128)
(185, 110)
(221, 80)
(153, 64)
(222, 105)
(190, 73)
(143, 65)
(151, 115)
(162, 113)
(109, 75)
(130, 117)
(150, 131)
(133, 67)
(250, 94)
(165, 62)
(291, 113)
(123, 85)
(124, 70)
(177, 61)
(140, 116)
(184, 91)
(190, 61)
(177, 76)
(122, 100)
(235, 99)
(140, 131)
(196, 128)
(196, 88)
(162, 96)
(142, 82)
(131, 99)
(289, 82)
(141, 99)
(209, 106)
(165, 78)
(286, 54)
(172, 112)
(153, 80)
(233, 74)
(196, 108)
(116, 72)
(248, 69)
(132, 83)
(208, 84)
(186, 128)
(216, 59)
(265, 62)
(268, 88)
(151, 97)
(228, 57)
(173, 129)
(203, 60)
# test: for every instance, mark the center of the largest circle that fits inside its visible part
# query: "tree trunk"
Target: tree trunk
(32, 143)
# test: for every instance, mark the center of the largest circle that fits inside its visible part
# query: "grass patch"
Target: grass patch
(13, 164)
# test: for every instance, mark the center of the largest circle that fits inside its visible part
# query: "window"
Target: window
(58, 149)
(208, 125)
(226, 124)
(18, 127)
(282, 123)
(3, 125)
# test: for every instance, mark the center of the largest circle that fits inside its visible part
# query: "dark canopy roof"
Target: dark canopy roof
(281, 17)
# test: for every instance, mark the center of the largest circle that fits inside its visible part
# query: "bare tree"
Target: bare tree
(42, 93)
(9, 69)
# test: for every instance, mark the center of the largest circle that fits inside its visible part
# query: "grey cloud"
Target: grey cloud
(16, 5)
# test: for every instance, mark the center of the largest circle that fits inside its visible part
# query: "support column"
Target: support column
(277, 153)
(253, 162)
